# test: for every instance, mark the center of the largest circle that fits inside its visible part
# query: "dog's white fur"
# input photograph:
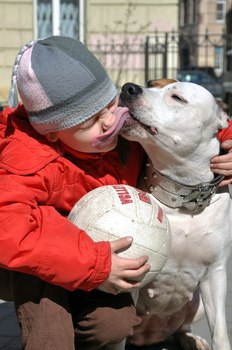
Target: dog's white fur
(187, 120)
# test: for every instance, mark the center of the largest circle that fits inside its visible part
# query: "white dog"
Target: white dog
(177, 126)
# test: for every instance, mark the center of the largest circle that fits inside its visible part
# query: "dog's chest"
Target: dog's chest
(198, 241)
(170, 291)
(195, 243)
(179, 279)
(176, 283)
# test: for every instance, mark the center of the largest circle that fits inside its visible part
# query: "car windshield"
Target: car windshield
(198, 78)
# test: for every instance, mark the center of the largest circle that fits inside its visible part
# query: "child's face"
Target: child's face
(80, 137)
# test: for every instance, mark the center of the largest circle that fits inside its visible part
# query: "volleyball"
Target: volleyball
(111, 212)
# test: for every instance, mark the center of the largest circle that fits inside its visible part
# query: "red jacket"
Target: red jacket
(226, 134)
(39, 186)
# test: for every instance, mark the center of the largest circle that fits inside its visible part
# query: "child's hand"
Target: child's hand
(223, 164)
(123, 270)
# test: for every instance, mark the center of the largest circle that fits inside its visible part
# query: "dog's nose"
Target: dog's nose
(131, 90)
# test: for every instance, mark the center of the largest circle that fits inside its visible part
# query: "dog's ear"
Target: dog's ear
(224, 106)
(160, 83)
(222, 116)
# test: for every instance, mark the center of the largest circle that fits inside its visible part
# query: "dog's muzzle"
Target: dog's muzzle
(130, 92)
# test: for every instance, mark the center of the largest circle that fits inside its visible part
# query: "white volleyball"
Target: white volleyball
(111, 212)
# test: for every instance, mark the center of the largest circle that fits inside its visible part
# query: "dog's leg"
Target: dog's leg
(200, 311)
(188, 340)
(213, 292)
(184, 335)
(230, 190)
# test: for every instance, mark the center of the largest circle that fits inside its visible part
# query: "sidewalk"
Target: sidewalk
(9, 330)
(10, 334)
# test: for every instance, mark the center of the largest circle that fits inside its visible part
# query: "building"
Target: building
(227, 75)
(115, 30)
(135, 40)
(203, 27)
(206, 44)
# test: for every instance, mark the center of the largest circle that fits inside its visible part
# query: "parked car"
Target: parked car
(202, 78)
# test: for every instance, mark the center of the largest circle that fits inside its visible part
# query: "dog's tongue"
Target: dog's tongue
(122, 114)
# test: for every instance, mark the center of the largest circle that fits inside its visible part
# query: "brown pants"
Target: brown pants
(52, 318)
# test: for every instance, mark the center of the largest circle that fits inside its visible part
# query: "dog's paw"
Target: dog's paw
(190, 341)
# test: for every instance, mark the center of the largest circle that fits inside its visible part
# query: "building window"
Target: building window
(186, 12)
(220, 10)
(218, 51)
(195, 17)
(69, 18)
(44, 18)
(59, 17)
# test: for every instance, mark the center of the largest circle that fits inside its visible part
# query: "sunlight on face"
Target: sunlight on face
(80, 137)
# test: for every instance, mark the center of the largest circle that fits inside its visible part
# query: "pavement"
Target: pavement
(10, 332)
(9, 329)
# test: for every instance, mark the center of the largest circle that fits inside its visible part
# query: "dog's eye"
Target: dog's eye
(179, 99)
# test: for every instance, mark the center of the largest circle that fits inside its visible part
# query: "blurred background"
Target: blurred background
(188, 40)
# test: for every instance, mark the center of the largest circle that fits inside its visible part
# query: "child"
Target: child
(47, 163)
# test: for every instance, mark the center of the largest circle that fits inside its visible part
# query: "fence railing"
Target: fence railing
(139, 59)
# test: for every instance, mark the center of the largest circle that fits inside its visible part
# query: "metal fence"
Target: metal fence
(123, 59)
(139, 58)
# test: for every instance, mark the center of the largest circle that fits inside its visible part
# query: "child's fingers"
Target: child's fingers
(227, 145)
(136, 275)
(127, 286)
(135, 264)
(226, 158)
(227, 181)
(223, 169)
(121, 244)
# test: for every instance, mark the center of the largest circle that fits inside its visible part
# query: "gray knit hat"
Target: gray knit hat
(61, 83)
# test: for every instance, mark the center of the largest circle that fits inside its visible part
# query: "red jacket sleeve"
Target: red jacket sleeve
(36, 239)
(226, 134)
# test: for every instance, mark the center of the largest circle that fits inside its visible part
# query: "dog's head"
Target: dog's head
(171, 113)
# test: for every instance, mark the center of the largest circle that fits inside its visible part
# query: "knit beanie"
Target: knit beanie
(61, 83)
